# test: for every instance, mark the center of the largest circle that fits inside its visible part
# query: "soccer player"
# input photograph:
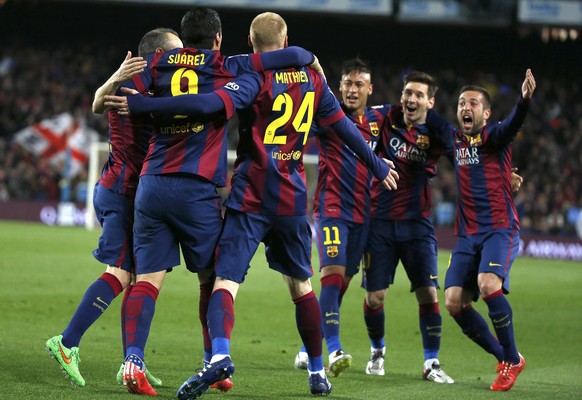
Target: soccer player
(267, 202)
(113, 201)
(341, 206)
(487, 225)
(401, 229)
(177, 205)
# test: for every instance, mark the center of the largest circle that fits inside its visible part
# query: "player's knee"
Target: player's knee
(375, 300)
(123, 276)
(489, 283)
(453, 301)
(426, 295)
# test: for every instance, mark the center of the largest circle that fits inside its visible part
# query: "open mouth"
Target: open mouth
(467, 120)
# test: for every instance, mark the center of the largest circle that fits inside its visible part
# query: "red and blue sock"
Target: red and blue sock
(329, 303)
(308, 317)
(96, 300)
(502, 317)
(139, 313)
(220, 321)
(431, 322)
(475, 328)
(375, 320)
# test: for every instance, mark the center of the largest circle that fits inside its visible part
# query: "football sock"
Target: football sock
(502, 317)
(328, 301)
(308, 317)
(475, 327)
(343, 291)
(94, 303)
(139, 313)
(123, 307)
(375, 324)
(430, 320)
(205, 292)
(220, 320)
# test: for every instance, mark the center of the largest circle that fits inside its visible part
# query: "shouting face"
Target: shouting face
(472, 113)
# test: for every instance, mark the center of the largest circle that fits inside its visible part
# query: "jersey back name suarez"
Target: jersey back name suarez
(188, 144)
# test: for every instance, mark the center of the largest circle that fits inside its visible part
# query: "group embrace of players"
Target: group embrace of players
(168, 110)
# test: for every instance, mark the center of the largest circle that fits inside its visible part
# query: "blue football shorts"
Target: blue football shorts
(340, 242)
(114, 211)
(492, 251)
(173, 212)
(287, 242)
(413, 242)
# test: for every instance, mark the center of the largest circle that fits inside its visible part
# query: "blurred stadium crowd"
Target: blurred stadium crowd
(38, 82)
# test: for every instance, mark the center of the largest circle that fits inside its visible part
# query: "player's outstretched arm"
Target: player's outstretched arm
(135, 103)
(128, 68)
(382, 169)
(289, 57)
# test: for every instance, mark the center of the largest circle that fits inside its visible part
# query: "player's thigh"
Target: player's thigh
(340, 242)
(419, 253)
(238, 243)
(288, 246)
(500, 248)
(114, 212)
(155, 245)
(463, 266)
(198, 228)
(380, 257)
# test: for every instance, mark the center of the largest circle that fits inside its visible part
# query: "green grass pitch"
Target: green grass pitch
(45, 271)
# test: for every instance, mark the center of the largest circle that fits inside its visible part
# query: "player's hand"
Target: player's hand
(390, 181)
(516, 180)
(119, 103)
(317, 66)
(529, 85)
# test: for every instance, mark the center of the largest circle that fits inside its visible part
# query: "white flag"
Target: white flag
(62, 139)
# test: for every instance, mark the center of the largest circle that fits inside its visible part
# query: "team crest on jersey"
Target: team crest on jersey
(422, 141)
(197, 127)
(374, 129)
(332, 251)
(475, 140)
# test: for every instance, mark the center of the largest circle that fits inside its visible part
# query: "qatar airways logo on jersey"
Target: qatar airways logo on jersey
(467, 156)
(292, 155)
(407, 151)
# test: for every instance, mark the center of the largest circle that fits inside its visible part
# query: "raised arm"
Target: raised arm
(504, 132)
(128, 68)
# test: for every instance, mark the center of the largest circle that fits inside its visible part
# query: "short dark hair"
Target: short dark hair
(480, 89)
(422, 77)
(199, 28)
(156, 38)
(356, 65)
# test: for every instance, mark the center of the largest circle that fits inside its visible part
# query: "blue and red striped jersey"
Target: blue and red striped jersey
(483, 173)
(343, 184)
(128, 144)
(185, 144)
(414, 150)
(278, 109)
(269, 175)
